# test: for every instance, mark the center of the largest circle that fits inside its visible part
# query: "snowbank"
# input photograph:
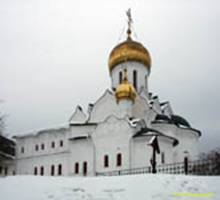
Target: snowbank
(135, 187)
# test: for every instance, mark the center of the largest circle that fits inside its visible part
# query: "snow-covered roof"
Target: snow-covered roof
(175, 120)
(42, 131)
(149, 132)
(80, 136)
(84, 124)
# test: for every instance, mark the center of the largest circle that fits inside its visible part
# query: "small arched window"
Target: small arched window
(59, 169)
(53, 144)
(120, 77)
(52, 170)
(135, 79)
(76, 168)
(162, 157)
(61, 143)
(6, 171)
(85, 168)
(35, 170)
(36, 147)
(106, 161)
(119, 160)
(22, 149)
(41, 170)
(146, 81)
(42, 146)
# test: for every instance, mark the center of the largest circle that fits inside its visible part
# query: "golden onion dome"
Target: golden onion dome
(129, 51)
(125, 90)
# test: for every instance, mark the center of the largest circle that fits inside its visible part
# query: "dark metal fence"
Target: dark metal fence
(174, 168)
(204, 167)
(142, 170)
(197, 167)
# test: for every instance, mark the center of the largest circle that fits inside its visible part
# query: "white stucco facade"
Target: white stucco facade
(131, 66)
(112, 135)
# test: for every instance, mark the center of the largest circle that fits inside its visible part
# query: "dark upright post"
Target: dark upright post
(154, 170)
(155, 146)
(186, 165)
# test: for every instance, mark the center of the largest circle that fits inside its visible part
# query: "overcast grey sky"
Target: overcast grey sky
(54, 54)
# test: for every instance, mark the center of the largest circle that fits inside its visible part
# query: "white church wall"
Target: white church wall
(142, 152)
(165, 128)
(44, 141)
(188, 140)
(149, 117)
(81, 150)
(167, 148)
(27, 166)
(78, 116)
(125, 107)
(104, 107)
(142, 110)
(46, 147)
(81, 130)
(144, 94)
(111, 138)
(142, 74)
(24, 146)
(107, 103)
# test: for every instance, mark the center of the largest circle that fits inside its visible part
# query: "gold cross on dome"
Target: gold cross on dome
(128, 13)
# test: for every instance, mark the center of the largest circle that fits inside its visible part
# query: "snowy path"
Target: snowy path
(139, 187)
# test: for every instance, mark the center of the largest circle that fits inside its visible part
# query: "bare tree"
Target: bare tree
(213, 158)
(2, 122)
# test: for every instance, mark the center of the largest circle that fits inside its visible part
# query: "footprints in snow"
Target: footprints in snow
(81, 194)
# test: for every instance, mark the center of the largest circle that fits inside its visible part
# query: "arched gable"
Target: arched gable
(104, 107)
(78, 116)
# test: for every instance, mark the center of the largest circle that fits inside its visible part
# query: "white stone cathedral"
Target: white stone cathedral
(115, 131)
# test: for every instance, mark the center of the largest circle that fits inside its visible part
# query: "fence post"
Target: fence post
(185, 165)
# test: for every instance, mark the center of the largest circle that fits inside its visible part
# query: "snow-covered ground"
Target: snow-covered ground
(134, 187)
